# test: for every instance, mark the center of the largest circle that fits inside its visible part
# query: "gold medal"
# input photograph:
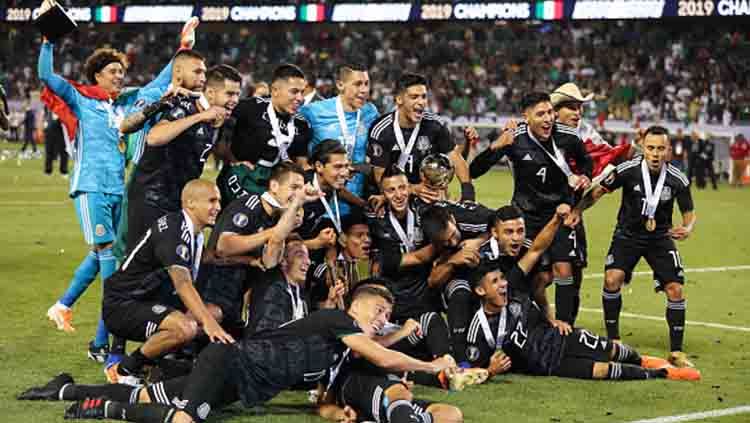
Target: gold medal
(651, 224)
(573, 180)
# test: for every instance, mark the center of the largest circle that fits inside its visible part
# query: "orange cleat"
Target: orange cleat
(649, 362)
(683, 373)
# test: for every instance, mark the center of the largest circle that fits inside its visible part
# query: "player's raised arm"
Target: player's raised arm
(53, 81)
(496, 151)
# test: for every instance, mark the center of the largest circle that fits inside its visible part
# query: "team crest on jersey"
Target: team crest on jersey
(203, 410)
(158, 309)
(423, 143)
(183, 252)
(240, 220)
(100, 231)
(666, 193)
(515, 309)
(472, 353)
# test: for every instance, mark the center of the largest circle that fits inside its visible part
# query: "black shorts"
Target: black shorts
(224, 286)
(580, 351)
(134, 321)
(661, 254)
(365, 393)
(569, 246)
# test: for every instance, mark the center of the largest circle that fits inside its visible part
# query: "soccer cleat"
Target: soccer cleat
(48, 392)
(187, 37)
(62, 316)
(459, 379)
(679, 359)
(90, 408)
(114, 376)
(98, 354)
(650, 362)
(683, 373)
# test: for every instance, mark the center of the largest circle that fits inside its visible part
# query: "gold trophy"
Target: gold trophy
(53, 21)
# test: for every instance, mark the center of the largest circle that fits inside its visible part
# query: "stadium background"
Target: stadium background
(646, 61)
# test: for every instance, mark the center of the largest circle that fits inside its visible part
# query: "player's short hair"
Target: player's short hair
(370, 287)
(280, 172)
(189, 54)
(656, 130)
(216, 75)
(503, 214)
(287, 71)
(322, 152)
(478, 273)
(354, 218)
(391, 171)
(532, 99)
(409, 79)
(434, 222)
(345, 70)
(99, 59)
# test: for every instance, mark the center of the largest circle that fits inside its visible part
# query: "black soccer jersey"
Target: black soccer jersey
(316, 217)
(144, 273)
(164, 170)
(302, 351)
(630, 221)
(471, 217)
(384, 150)
(408, 285)
(253, 138)
(521, 330)
(273, 302)
(243, 216)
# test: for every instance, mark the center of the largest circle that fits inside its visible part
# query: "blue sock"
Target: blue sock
(82, 278)
(107, 266)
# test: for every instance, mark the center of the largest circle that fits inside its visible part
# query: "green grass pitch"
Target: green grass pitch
(42, 245)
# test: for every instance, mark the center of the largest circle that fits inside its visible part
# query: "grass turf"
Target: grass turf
(43, 245)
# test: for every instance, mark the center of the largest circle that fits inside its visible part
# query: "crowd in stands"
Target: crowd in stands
(638, 70)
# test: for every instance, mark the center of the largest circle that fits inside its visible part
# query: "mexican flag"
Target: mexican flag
(549, 10)
(106, 14)
(312, 13)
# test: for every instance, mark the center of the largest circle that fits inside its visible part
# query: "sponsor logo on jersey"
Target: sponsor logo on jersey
(183, 252)
(158, 309)
(240, 220)
(637, 188)
(527, 157)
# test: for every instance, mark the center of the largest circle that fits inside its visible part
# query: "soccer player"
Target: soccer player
(407, 135)
(266, 131)
(139, 300)
(90, 114)
(257, 369)
(511, 332)
(251, 231)
(539, 152)
(644, 229)
(347, 118)
(177, 148)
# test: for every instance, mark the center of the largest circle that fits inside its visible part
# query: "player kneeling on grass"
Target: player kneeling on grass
(511, 332)
(254, 370)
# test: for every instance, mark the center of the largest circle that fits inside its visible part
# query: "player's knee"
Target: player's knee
(398, 392)
(444, 413)
(182, 417)
(612, 282)
(673, 291)
(562, 270)
(600, 371)
(144, 397)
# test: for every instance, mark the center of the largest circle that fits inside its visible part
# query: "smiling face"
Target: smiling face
(206, 207)
(396, 192)
(569, 113)
(335, 172)
(110, 77)
(371, 313)
(493, 290)
(287, 95)
(655, 151)
(540, 118)
(412, 103)
(354, 89)
(286, 188)
(225, 94)
(296, 262)
(450, 237)
(510, 235)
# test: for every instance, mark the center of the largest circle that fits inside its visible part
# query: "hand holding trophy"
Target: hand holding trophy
(53, 21)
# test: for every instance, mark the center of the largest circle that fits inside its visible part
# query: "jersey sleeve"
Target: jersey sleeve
(378, 149)
(444, 139)
(170, 249)
(517, 280)
(339, 325)
(55, 82)
(485, 160)
(614, 180)
(240, 220)
(162, 80)
(242, 143)
(685, 199)
(301, 139)
(175, 113)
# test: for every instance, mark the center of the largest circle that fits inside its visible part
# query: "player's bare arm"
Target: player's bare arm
(391, 360)
(419, 257)
(681, 233)
(183, 284)
(443, 270)
(165, 131)
(409, 327)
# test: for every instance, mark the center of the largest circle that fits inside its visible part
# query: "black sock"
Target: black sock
(113, 392)
(118, 345)
(163, 392)
(578, 282)
(435, 333)
(426, 379)
(676, 322)
(459, 317)
(401, 411)
(624, 371)
(565, 293)
(133, 364)
(139, 413)
(612, 304)
(626, 354)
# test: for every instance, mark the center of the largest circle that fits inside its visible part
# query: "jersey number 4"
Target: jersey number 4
(542, 173)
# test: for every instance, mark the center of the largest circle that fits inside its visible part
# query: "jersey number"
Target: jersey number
(519, 336)
(204, 154)
(589, 339)
(676, 258)
(542, 173)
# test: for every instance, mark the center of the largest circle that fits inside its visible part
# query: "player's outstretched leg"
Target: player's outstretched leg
(60, 312)
(98, 409)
